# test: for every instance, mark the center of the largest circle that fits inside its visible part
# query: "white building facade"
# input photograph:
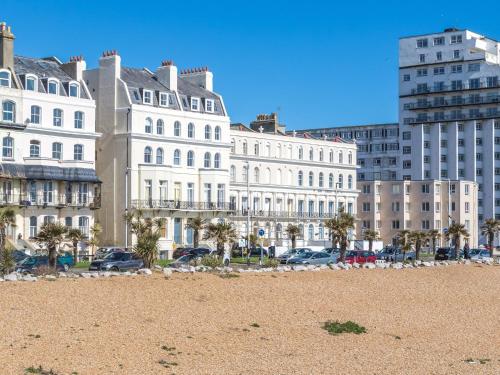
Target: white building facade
(48, 135)
(288, 179)
(164, 150)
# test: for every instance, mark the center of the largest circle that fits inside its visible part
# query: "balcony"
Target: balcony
(283, 214)
(453, 103)
(50, 199)
(450, 88)
(159, 204)
(451, 118)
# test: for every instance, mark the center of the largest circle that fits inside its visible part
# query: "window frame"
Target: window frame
(57, 86)
(12, 111)
(35, 80)
(150, 95)
(8, 79)
(81, 153)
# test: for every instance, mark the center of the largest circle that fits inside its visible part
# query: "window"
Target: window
(164, 100)
(147, 97)
(245, 148)
(426, 206)
(209, 105)
(53, 87)
(8, 147)
(300, 178)
(422, 43)
(330, 181)
(148, 125)
(195, 104)
(456, 54)
(475, 67)
(217, 160)
(177, 157)
(456, 69)
(207, 160)
(79, 116)
(301, 153)
(31, 83)
(321, 179)
(217, 133)
(160, 127)
(33, 226)
(34, 149)
(190, 130)
(190, 159)
(232, 173)
(366, 206)
(406, 77)
(74, 90)
(341, 157)
(311, 179)
(57, 150)
(8, 111)
(256, 175)
(349, 182)
(421, 72)
(36, 114)
(148, 154)
(406, 164)
(177, 129)
(311, 154)
(467, 207)
(395, 224)
(5, 78)
(256, 148)
(439, 70)
(439, 41)
(456, 39)
(349, 158)
(78, 152)
(340, 184)
(159, 155)
(425, 188)
(58, 117)
(83, 225)
(208, 132)
(467, 189)
(421, 58)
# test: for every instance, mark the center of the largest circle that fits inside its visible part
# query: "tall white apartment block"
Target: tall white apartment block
(449, 105)
(48, 138)
(164, 150)
(280, 178)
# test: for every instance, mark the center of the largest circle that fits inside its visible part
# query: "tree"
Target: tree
(7, 218)
(252, 241)
(95, 231)
(455, 232)
(489, 229)
(197, 224)
(292, 232)
(148, 232)
(74, 235)
(416, 238)
(434, 236)
(221, 233)
(371, 235)
(403, 242)
(7, 260)
(339, 229)
(51, 235)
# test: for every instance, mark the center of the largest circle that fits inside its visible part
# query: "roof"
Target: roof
(350, 127)
(45, 172)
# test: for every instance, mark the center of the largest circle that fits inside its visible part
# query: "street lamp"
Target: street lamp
(248, 208)
(336, 210)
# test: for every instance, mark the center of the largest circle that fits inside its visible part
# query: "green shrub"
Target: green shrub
(336, 328)
(7, 261)
(271, 263)
(210, 261)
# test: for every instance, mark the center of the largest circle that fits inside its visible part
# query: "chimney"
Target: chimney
(111, 61)
(167, 74)
(266, 123)
(201, 77)
(75, 67)
(6, 47)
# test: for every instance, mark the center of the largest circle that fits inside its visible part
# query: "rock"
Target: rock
(381, 265)
(323, 267)
(356, 265)
(316, 269)
(241, 270)
(50, 277)
(340, 264)
(299, 268)
(398, 265)
(11, 277)
(167, 272)
(310, 267)
(95, 275)
(145, 271)
(334, 267)
(408, 265)
(106, 274)
(29, 278)
(418, 262)
(370, 266)
(63, 274)
(127, 273)
(158, 267)
(427, 264)
(86, 275)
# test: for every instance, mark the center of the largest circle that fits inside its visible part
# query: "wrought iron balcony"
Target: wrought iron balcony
(49, 199)
(160, 204)
(451, 118)
(283, 214)
(450, 88)
(453, 103)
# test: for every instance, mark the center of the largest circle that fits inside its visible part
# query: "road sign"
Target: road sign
(262, 232)
(242, 242)
(445, 230)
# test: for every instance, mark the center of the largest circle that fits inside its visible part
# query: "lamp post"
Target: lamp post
(248, 208)
(337, 187)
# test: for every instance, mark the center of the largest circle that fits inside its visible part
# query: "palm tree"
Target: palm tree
(370, 235)
(51, 235)
(197, 224)
(147, 232)
(489, 229)
(403, 242)
(339, 229)
(95, 231)
(221, 233)
(455, 232)
(7, 218)
(292, 232)
(434, 235)
(252, 241)
(417, 237)
(74, 235)
(333, 225)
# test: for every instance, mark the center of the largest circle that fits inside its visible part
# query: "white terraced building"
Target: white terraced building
(164, 150)
(449, 107)
(287, 178)
(47, 129)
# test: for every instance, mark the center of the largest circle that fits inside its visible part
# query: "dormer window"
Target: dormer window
(164, 99)
(4, 78)
(74, 90)
(31, 83)
(195, 104)
(209, 104)
(147, 97)
(53, 87)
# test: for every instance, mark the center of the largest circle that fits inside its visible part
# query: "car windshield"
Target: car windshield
(304, 255)
(353, 254)
(184, 258)
(114, 256)
(28, 261)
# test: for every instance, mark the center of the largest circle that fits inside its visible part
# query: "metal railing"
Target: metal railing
(283, 214)
(50, 199)
(181, 205)
(453, 102)
(452, 117)
(451, 88)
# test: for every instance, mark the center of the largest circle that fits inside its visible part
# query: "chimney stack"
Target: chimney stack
(6, 47)
(201, 77)
(167, 74)
(111, 61)
(75, 67)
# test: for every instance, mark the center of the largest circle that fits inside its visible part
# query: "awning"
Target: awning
(46, 172)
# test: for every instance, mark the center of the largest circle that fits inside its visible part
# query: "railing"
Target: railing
(283, 214)
(453, 103)
(50, 199)
(181, 205)
(451, 88)
(454, 117)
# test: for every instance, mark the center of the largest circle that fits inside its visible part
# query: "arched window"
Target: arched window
(177, 157)
(311, 179)
(177, 129)
(34, 149)
(208, 132)
(53, 87)
(79, 120)
(232, 173)
(330, 181)
(301, 153)
(256, 148)
(148, 125)
(245, 148)
(207, 160)
(190, 130)
(341, 157)
(36, 114)
(148, 152)
(159, 155)
(349, 182)
(160, 127)
(256, 175)
(300, 178)
(349, 158)
(233, 146)
(8, 147)
(310, 232)
(267, 177)
(33, 226)
(321, 155)
(9, 111)
(57, 119)
(78, 152)
(278, 177)
(4, 78)
(74, 90)
(311, 154)
(57, 150)
(279, 231)
(321, 179)
(331, 156)
(217, 160)
(31, 83)
(190, 159)
(217, 133)
(341, 181)
(321, 232)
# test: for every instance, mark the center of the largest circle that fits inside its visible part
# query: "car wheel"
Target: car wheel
(114, 268)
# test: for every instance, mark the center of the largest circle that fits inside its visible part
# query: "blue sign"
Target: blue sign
(261, 232)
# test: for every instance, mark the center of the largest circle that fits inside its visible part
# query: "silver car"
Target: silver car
(290, 253)
(313, 257)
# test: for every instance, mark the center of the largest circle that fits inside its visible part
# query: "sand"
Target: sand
(418, 321)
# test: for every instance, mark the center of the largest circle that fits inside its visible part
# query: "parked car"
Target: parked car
(200, 251)
(331, 250)
(185, 260)
(360, 256)
(291, 252)
(19, 255)
(180, 251)
(478, 254)
(447, 253)
(33, 263)
(103, 251)
(256, 251)
(312, 257)
(395, 254)
(117, 261)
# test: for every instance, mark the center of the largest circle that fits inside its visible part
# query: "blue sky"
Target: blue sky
(317, 63)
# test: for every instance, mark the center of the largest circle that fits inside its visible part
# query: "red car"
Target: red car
(360, 256)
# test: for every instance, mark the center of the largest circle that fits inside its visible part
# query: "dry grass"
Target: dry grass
(426, 321)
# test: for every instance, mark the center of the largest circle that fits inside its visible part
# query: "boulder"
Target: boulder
(381, 265)
(63, 274)
(145, 271)
(323, 267)
(317, 269)
(370, 266)
(334, 267)
(106, 274)
(167, 272)
(86, 275)
(50, 277)
(408, 265)
(299, 268)
(398, 265)
(428, 264)
(158, 267)
(356, 265)
(29, 278)
(311, 267)
(418, 263)
(11, 277)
